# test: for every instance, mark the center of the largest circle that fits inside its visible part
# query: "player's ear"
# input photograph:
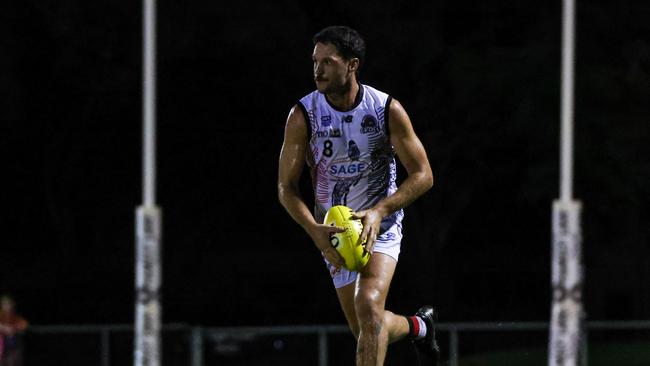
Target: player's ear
(353, 66)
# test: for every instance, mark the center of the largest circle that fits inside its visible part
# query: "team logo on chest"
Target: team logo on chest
(369, 124)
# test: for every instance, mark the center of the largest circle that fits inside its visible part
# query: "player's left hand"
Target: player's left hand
(371, 220)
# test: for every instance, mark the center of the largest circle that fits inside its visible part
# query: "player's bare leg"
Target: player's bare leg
(377, 327)
(363, 305)
(346, 299)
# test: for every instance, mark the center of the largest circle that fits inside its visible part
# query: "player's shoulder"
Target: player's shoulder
(390, 101)
(296, 125)
(380, 97)
(310, 98)
(301, 115)
(371, 90)
(301, 108)
(297, 113)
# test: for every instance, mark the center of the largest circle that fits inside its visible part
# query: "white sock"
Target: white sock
(422, 331)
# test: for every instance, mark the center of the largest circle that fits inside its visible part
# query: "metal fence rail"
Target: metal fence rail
(198, 334)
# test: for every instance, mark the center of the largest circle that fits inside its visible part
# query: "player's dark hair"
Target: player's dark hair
(347, 41)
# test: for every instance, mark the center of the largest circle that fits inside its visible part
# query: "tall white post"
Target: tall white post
(566, 106)
(567, 313)
(566, 330)
(148, 216)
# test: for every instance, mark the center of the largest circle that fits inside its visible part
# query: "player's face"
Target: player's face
(332, 73)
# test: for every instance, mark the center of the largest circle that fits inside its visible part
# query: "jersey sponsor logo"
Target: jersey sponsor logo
(333, 132)
(347, 119)
(326, 121)
(347, 170)
(369, 124)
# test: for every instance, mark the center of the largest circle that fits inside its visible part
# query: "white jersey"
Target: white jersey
(350, 155)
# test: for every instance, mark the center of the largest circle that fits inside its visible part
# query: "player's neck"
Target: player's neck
(346, 100)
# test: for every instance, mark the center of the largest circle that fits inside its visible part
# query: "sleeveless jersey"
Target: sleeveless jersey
(351, 158)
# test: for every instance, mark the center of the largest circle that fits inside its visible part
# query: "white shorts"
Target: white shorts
(387, 243)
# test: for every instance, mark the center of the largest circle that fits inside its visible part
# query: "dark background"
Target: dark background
(480, 80)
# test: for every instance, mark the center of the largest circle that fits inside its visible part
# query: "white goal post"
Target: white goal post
(148, 279)
(567, 313)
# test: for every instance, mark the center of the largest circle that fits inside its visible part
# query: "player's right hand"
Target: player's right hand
(320, 234)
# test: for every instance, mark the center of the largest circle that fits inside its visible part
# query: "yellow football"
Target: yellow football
(347, 242)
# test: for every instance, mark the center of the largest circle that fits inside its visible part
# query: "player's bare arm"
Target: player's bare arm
(411, 154)
(292, 161)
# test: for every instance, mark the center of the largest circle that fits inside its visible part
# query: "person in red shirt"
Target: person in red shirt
(12, 326)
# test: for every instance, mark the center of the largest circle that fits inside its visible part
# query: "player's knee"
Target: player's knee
(369, 309)
(370, 321)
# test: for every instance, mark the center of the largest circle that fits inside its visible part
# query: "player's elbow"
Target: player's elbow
(422, 176)
(422, 180)
(284, 191)
(428, 180)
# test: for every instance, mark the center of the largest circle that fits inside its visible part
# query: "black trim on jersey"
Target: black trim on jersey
(357, 100)
(307, 120)
(386, 115)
